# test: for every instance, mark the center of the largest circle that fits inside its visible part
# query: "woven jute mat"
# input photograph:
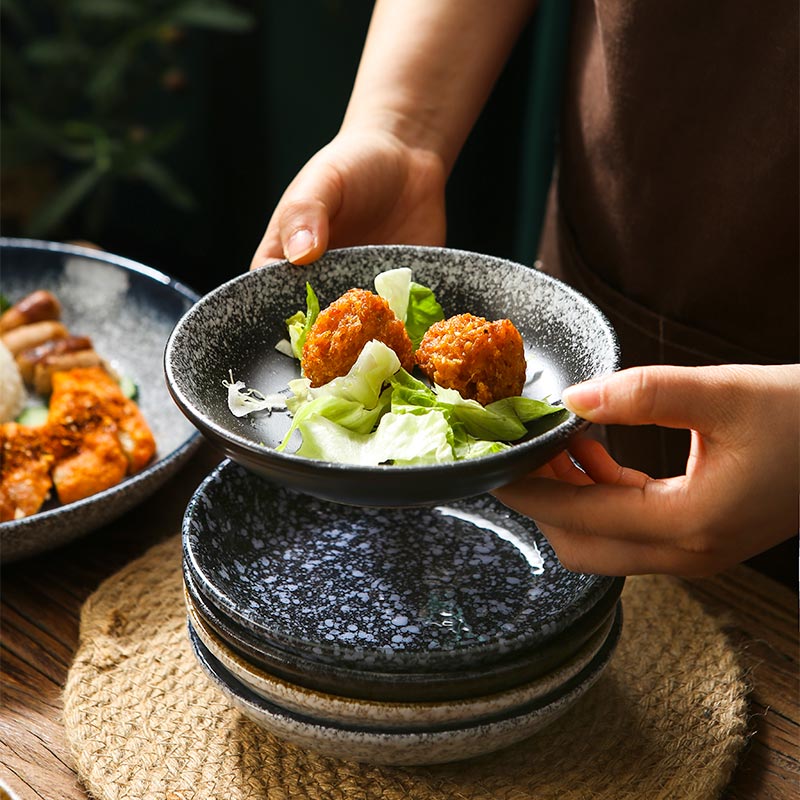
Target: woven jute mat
(666, 720)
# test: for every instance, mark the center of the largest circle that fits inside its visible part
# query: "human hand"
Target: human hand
(739, 495)
(365, 187)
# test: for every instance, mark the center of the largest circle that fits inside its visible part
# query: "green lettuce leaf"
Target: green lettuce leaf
(299, 324)
(399, 439)
(502, 421)
(423, 311)
(394, 286)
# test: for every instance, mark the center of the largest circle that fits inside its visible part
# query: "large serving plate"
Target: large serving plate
(234, 330)
(128, 310)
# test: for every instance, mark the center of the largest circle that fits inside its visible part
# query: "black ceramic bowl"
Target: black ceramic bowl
(128, 309)
(236, 327)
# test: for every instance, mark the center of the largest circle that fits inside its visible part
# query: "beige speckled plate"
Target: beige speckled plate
(369, 713)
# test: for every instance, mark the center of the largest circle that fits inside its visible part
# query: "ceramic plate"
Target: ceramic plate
(235, 329)
(411, 685)
(371, 713)
(427, 588)
(402, 746)
(128, 310)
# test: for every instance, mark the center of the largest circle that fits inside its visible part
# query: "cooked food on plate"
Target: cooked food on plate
(89, 436)
(481, 360)
(340, 332)
(357, 401)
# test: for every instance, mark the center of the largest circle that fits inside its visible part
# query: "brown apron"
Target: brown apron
(675, 206)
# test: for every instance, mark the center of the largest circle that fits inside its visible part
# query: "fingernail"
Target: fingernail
(300, 244)
(583, 398)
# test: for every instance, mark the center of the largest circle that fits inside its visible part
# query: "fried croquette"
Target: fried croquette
(482, 360)
(342, 329)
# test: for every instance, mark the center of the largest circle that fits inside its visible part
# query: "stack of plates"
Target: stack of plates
(396, 636)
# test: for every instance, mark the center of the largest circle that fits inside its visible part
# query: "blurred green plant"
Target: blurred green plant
(79, 79)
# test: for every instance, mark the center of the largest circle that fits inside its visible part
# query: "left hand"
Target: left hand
(739, 495)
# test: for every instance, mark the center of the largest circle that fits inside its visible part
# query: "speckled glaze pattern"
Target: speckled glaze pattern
(237, 326)
(406, 747)
(409, 685)
(366, 713)
(429, 588)
(128, 310)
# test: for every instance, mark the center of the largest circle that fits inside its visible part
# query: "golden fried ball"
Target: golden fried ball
(342, 329)
(482, 360)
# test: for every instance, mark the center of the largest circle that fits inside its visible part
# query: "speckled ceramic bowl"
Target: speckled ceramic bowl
(407, 686)
(370, 713)
(428, 589)
(128, 310)
(438, 743)
(236, 327)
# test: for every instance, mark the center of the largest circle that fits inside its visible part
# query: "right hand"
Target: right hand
(364, 187)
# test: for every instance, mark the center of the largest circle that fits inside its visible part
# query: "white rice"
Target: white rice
(12, 390)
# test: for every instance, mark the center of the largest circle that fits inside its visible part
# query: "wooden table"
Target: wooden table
(42, 597)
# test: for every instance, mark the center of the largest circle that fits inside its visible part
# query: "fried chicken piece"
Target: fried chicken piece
(342, 329)
(98, 464)
(89, 398)
(25, 464)
(482, 360)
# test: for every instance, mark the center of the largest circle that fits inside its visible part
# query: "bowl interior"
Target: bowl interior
(234, 331)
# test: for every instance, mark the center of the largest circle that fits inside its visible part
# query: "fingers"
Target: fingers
(609, 556)
(600, 467)
(675, 397)
(645, 513)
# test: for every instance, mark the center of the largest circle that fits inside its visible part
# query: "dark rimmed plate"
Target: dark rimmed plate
(128, 310)
(236, 327)
(409, 686)
(438, 743)
(426, 588)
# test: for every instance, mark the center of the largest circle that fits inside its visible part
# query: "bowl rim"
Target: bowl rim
(264, 454)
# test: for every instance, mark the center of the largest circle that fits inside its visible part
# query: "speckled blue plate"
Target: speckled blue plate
(431, 588)
(236, 327)
(128, 310)
(438, 743)
(407, 686)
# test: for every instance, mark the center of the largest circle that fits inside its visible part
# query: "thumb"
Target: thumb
(674, 397)
(298, 231)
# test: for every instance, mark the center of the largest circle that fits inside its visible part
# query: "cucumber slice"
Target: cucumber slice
(129, 387)
(33, 417)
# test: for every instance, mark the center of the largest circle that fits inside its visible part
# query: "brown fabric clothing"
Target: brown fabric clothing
(675, 206)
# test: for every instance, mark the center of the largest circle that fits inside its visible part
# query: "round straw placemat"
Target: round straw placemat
(667, 719)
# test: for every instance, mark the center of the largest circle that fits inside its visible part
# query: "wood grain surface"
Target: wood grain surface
(41, 600)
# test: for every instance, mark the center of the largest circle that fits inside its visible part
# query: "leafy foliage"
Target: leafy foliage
(79, 78)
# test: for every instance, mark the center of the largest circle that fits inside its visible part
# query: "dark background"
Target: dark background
(255, 103)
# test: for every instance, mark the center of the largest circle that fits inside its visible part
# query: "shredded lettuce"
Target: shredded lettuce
(298, 326)
(394, 286)
(355, 420)
(380, 414)
(399, 439)
(423, 311)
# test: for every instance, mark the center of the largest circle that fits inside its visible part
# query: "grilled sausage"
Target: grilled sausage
(35, 307)
(27, 336)
(28, 359)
